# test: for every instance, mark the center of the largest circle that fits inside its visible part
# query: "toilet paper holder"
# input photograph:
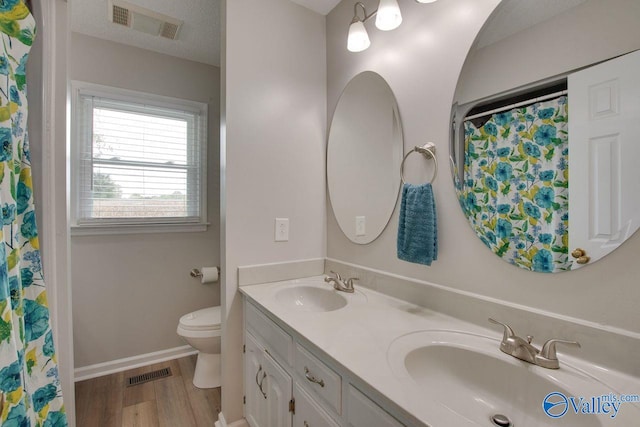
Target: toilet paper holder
(195, 272)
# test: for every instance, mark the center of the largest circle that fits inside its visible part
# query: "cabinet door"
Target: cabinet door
(277, 386)
(308, 412)
(255, 409)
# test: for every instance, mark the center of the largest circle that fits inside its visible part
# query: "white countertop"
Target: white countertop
(359, 335)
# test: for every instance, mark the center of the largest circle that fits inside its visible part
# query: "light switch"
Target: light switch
(282, 230)
(361, 225)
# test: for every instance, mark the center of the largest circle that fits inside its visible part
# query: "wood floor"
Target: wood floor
(167, 402)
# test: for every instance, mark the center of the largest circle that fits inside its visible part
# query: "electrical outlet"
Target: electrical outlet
(282, 230)
(361, 225)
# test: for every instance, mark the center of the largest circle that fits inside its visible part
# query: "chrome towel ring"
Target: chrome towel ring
(428, 150)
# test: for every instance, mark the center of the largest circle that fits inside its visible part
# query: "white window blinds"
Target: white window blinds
(139, 162)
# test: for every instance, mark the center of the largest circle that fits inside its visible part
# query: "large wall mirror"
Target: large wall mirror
(545, 132)
(363, 157)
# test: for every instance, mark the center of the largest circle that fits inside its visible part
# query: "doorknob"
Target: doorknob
(581, 256)
(577, 253)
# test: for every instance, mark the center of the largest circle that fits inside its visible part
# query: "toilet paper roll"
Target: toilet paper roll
(209, 274)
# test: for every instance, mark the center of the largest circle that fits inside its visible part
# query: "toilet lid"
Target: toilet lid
(207, 318)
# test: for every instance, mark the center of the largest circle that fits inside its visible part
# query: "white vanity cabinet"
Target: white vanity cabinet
(267, 388)
(254, 375)
(267, 384)
(277, 388)
(286, 385)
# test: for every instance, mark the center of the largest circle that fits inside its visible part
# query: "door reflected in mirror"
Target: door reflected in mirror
(542, 130)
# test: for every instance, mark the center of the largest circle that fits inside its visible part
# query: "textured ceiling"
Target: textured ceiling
(513, 16)
(198, 39)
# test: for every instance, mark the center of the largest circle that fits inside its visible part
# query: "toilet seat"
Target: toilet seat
(205, 322)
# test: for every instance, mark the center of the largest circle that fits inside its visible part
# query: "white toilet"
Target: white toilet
(201, 330)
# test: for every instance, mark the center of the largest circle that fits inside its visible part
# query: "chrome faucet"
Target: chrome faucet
(522, 349)
(339, 284)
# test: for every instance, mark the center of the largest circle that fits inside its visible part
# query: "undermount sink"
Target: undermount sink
(471, 381)
(301, 297)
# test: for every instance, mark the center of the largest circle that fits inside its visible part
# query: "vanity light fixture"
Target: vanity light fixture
(358, 39)
(388, 17)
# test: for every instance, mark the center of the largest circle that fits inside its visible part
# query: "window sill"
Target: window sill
(97, 230)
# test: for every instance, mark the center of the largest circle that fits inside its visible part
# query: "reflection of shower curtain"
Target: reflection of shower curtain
(515, 190)
(30, 393)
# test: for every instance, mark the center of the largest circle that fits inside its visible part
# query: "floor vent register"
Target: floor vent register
(148, 376)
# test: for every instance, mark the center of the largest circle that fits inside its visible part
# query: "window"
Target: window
(139, 162)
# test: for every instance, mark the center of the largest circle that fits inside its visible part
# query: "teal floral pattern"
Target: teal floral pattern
(30, 393)
(515, 189)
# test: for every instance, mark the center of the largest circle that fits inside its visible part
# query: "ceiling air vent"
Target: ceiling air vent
(120, 15)
(169, 30)
(144, 20)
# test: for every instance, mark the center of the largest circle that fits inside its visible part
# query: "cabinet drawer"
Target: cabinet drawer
(308, 413)
(364, 412)
(319, 378)
(277, 342)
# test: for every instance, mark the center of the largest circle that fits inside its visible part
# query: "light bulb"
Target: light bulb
(358, 39)
(426, 1)
(388, 16)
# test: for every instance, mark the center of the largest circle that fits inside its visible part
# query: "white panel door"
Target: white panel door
(278, 388)
(604, 151)
(255, 409)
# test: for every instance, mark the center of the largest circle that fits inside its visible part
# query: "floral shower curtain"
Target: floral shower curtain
(515, 189)
(30, 393)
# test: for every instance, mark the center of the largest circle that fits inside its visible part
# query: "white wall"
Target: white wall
(273, 145)
(129, 291)
(421, 61)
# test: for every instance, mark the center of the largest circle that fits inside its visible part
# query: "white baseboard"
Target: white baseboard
(119, 365)
(221, 421)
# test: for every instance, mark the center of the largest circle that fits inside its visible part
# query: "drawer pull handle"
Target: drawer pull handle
(258, 374)
(306, 424)
(311, 378)
(259, 382)
(264, 394)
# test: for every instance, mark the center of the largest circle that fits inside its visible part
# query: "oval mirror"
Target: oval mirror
(544, 122)
(364, 153)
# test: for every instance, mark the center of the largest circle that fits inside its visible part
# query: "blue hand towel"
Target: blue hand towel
(417, 230)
